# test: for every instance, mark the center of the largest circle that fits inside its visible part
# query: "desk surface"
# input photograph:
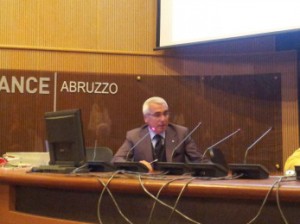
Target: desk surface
(233, 188)
(203, 194)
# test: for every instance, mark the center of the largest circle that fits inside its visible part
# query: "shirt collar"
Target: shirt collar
(152, 133)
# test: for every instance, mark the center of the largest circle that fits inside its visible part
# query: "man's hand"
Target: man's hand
(148, 165)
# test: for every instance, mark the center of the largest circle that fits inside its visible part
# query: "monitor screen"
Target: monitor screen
(65, 138)
(200, 21)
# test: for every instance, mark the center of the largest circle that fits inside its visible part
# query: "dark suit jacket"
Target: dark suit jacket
(143, 150)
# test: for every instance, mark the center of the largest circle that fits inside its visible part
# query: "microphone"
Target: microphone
(132, 166)
(250, 171)
(216, 168)
(219, 142)
(172, 167)
(186, 137)
(255, 142)
(138, 142)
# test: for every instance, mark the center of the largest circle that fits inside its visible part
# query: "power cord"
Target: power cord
(178, 198)
(164, 204)
(161, 176)
(158, 193)
(265, 200)
(277, 196)
(105, 188)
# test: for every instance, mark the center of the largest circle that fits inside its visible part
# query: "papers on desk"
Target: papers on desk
(26, 159)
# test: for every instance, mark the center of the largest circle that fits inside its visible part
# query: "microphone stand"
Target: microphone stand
(186, 137)
(254, 143)
(219, 142)
(131, 165)
(250, 171)
(211, 169)
(175, 168)
(138, 142)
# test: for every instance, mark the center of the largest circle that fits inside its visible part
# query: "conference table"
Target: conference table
(121, 197)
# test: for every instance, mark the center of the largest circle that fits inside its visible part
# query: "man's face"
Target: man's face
(158, 118)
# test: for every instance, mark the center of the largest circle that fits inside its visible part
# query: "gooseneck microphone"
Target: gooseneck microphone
(138, 142)
(219, 142)
(250, 171)
(131, 165)
(186, 137)
(213, 168)
(175, 168)
(255, 142)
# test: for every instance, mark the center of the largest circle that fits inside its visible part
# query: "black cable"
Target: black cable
(161, 176)
(112, 197)
(105, 188)
(264, 202)
(278, 200)
(78, 169)
(178, 198)
(158, 193)
(131, 174)
(166, 205)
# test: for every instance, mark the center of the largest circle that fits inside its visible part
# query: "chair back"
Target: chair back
(99, 154)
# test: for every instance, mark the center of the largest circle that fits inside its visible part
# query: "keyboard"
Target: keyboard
(53, 169)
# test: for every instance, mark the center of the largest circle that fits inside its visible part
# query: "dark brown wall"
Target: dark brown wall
(223, 104)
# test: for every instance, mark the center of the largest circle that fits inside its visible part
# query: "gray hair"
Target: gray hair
(156, 100)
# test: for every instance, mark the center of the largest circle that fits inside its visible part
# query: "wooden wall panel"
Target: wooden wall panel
(124, 25)
(223, 104)
(283, 63)
(108, 37)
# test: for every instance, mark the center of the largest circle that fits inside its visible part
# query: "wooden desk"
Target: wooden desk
(33, 198)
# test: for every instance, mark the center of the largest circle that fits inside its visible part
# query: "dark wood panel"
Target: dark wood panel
(222, 103)
(75, 198)
(82, 206)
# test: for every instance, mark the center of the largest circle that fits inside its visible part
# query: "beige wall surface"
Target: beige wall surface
(77, 35)
(118, 25)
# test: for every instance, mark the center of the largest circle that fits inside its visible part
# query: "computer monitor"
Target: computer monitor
(65, 138)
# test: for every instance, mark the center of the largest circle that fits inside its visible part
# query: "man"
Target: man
(158, 140)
